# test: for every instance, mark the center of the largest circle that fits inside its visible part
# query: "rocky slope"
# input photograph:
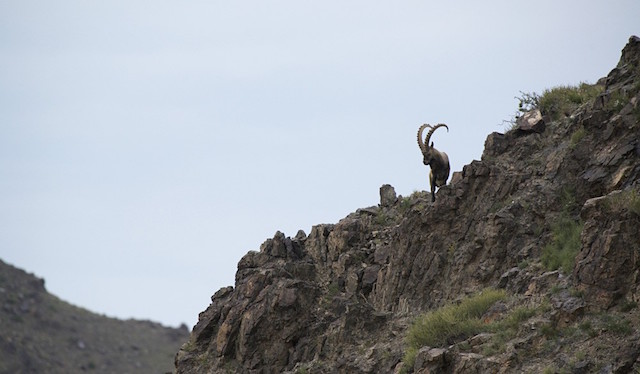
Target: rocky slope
(40, 333)
(551, 215)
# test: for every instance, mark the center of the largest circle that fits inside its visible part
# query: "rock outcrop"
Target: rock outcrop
(340, 299)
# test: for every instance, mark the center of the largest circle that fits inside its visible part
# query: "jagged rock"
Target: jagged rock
(477, 341)
(369, 277)
(495, 144)
(387, 195)
(544, 282)
(279, 246)
(507, 276)
(301, 236)
(515, 279)
(430, 360)
(567, 308)
(381, 255)
(495, 312)
(607, 266)
(456, 177)
(475, 363)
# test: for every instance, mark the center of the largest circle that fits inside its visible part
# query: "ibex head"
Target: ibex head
(438, 161)
(427, 150)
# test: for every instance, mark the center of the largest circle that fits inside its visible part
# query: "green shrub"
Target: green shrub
(628, 305)
(587, 327)
(617, 325)
(568, 201)
(562, 100)
(449, 323)
(549, 331)
(453, 323)
(576, 137)
(381, 218)
(527, 101)
(564, 246)
(409, 359)
(627, 199)
(515, 318)
(405, 205)
(617, 100)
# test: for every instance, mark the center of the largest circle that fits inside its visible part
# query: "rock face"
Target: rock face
(340, 300)
(608, 265)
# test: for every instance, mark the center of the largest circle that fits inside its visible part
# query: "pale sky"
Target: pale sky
(146, 146)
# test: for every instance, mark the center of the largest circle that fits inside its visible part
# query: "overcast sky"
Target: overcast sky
(146, 146)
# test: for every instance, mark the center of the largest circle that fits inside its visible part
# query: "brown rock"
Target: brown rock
(531, 121)
(387, 195)
(430, 360)
(607, 265)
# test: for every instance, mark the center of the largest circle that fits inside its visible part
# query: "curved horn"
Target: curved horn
(433, 128)
(423, 148)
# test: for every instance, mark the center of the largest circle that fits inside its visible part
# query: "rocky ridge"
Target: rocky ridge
(341, 299)
(40, 333)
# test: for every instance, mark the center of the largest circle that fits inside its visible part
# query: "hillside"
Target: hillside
(39, 333)
(528, 261)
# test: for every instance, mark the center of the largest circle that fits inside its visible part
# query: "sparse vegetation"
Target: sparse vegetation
(564, 246)
(523, 264)
(453, 323)
(617, 325)
(556, 102)
(405, 205)
(381, 218)
(568, 199)
(576, 137)
(618, 99)
(549, 331)
(507, 328)
(587, 327)
(627, 199)
(333, 289)
(560, 253)
(560, 101)
(628, 305)
(449, 323)
(527, 101)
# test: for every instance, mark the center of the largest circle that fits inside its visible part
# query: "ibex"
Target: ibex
(438, 161)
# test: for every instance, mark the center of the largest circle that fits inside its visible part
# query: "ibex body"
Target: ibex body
(437, 161)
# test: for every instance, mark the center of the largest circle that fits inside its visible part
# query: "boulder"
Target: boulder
(530, 122)
(387, 195)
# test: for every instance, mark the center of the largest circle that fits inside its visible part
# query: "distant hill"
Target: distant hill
(528, 261)
(39, 333)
